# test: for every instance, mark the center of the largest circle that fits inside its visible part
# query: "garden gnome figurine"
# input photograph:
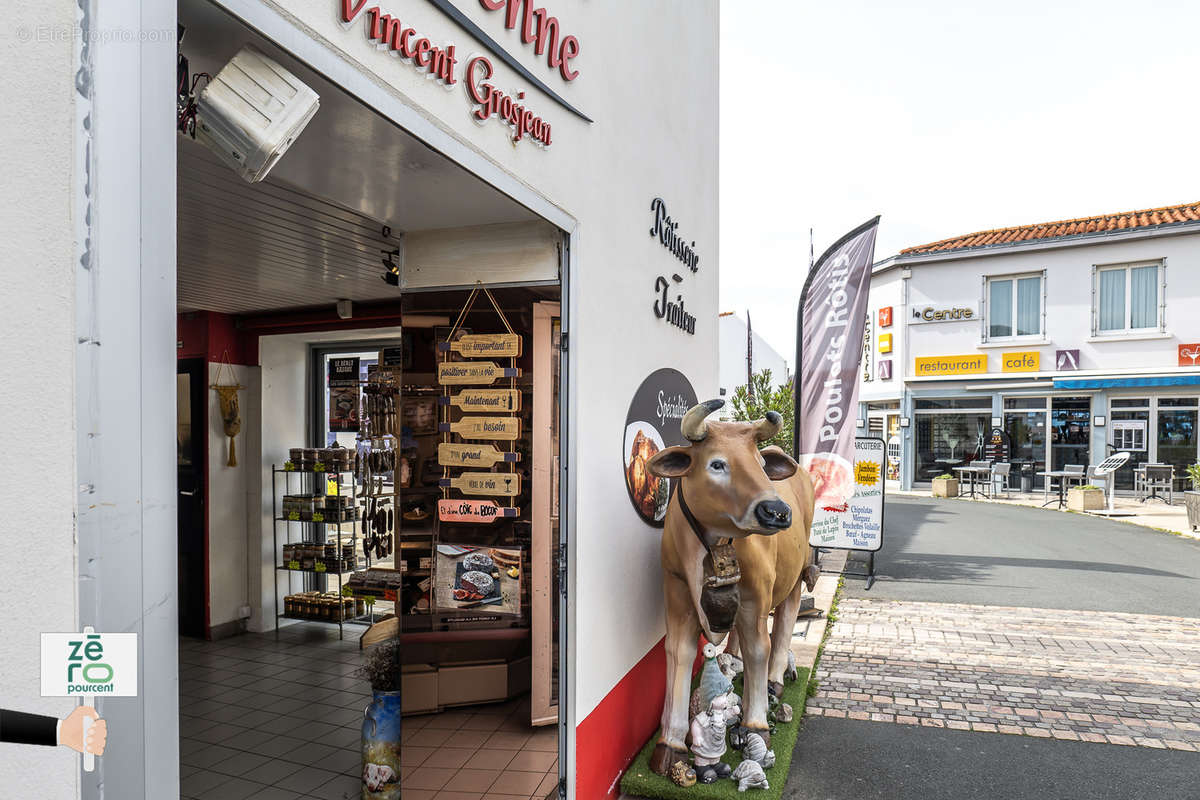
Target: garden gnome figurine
(708, 739)
(712, 682)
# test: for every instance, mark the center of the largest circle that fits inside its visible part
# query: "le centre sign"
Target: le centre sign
(924, 314)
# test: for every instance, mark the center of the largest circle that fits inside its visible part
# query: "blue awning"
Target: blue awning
(1127, 383)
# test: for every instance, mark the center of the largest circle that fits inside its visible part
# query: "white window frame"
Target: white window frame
(1160, 325)
(987, 310)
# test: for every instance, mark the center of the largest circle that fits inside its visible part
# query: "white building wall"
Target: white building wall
(37, 398)
(1068, 293)
(886, 292)
(732, 332)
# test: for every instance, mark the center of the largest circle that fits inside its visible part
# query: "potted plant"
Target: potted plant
(1191, 498)
(1085, 498)
(381, 723)
(945, 485)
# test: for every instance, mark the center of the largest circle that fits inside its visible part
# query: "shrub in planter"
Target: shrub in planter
(945, 485)
(1085, 498)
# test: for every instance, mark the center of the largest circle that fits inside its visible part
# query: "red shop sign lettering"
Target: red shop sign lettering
(540, 29)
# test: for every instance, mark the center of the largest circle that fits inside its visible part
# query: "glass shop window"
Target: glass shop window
(945, 403)
(1038, 403)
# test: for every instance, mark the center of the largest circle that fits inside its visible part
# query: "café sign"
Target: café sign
(923, 314)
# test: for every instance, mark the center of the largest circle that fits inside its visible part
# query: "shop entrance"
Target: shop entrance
(379, 323)
(192, 468)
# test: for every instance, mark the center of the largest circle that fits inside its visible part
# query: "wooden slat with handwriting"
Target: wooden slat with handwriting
(506, 429)
(456, 454)
(485, 400)
(478, 345)
(468, 373)
(492, 484)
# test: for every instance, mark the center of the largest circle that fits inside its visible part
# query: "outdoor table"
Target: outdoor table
(1061, 474)
(972, 472)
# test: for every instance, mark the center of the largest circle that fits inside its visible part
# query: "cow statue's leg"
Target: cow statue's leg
(683, 634)
(756, 650)
(781, 637)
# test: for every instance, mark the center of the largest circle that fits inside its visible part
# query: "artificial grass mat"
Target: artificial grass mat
(640, 781)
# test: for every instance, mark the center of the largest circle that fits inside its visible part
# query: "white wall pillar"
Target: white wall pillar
(125, 357)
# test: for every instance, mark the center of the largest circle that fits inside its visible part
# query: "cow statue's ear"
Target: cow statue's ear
(673, 462)
(778, 464)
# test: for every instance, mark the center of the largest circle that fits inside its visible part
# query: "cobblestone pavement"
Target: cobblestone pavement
(1127, 679)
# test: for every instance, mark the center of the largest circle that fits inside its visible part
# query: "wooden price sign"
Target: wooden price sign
(496, 484)
(485, 400)
(474, 511)
(475, 455)
(464, 373)
(477, 345)
(494, 428)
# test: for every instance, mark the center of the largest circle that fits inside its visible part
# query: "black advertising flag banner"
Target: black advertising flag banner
(343, 395)
(829, 336)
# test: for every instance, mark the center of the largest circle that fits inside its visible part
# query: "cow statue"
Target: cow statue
(734, 549)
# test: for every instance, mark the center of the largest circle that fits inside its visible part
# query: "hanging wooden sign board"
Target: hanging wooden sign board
(495, 484)
(451, 454)
(474, 511)
(466, 373)
(485, 400)
(478, 345)
(494, 428)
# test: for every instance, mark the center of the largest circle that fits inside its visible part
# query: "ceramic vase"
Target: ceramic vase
(381, 748)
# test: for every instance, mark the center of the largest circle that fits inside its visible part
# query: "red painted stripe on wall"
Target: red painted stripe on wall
(607, 740)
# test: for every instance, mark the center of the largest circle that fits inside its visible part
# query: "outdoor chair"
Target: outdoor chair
(1158, 476)
(1078, 474)
(999, 482)
(1100, 481)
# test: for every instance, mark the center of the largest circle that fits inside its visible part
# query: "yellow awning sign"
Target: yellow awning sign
(1024, 361)
(972, 364)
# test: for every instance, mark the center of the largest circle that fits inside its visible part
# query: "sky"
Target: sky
(945, 117)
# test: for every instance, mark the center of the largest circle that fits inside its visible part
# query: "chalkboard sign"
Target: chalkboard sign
(997, 447)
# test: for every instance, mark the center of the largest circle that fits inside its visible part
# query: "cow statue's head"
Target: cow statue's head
(727, 480)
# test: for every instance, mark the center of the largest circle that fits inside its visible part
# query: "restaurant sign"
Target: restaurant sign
(973, 364)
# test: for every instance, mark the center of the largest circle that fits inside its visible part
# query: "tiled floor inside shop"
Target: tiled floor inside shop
(281, 719)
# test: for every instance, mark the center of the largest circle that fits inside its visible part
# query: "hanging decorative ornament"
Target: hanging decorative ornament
(231, 414)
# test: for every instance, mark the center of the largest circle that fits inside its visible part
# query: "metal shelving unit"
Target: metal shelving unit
(311, 532)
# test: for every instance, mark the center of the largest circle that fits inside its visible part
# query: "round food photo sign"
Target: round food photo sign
(651, 425)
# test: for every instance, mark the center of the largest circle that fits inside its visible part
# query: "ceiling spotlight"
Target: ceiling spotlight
(392, 275)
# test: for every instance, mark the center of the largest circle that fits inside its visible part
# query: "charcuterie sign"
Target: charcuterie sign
(474, 511)
(485, 400)
(477, 345)
(465, 373)
(496, 484)
(495, 428)
(472, 455)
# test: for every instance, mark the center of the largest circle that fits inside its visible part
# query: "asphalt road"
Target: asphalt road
(963, 552)
(842, 759)
(992, 554)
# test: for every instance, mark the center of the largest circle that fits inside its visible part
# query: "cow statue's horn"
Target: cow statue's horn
(768, 426)
(694, 426)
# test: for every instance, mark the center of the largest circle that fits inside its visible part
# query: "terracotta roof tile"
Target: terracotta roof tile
(1126, 220)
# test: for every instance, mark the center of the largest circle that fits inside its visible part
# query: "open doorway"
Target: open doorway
(326, 513)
